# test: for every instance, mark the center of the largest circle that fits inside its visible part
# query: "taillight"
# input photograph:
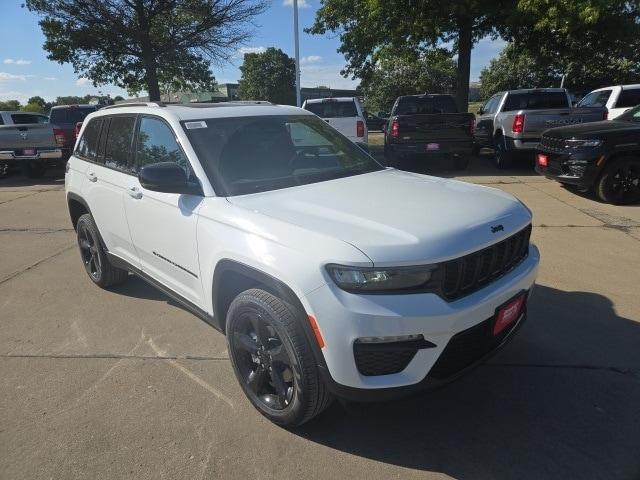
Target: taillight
(59, 135)
(395, 129)
(605, 115)
(472, 125)
(518, 123)
(360, 128)
(77, 130)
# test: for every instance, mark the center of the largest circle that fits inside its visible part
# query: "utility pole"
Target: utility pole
(297, 42)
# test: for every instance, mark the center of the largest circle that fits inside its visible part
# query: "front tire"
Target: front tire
(619, 183)
(272, 359)
(94, 257)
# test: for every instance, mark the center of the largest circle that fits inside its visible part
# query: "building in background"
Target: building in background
(227, 92)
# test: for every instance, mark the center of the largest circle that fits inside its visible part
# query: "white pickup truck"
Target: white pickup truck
(345, 114)
(28, 140)
(618, 99)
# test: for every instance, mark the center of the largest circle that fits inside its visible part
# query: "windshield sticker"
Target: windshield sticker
(193, 125)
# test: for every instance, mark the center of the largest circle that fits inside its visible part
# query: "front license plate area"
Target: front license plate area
(509, 313)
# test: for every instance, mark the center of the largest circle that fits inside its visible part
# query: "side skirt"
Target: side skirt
(197, 311)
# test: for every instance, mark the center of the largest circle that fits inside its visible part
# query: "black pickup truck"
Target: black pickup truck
(603, 155)
(428, 125)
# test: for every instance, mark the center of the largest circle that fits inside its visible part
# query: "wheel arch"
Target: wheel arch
(231, 277)
(77, 207)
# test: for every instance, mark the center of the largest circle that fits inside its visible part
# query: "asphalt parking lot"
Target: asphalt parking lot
(126, 384)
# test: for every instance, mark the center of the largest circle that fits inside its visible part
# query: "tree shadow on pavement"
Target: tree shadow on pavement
(561, 401)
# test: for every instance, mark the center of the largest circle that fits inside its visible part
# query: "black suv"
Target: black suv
(603, 155)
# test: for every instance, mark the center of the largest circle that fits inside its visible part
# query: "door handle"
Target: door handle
(135, 193)
(92, 177)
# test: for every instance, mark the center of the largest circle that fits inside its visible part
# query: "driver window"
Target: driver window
(156, 143)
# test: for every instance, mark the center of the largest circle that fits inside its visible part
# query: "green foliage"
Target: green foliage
(140, 45)
(431, 72)
(514, 69)
(593, 42)
(270, 75)
(9, 105)
(33, 107)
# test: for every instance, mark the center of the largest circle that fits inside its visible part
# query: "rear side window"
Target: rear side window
(426, 105)
(628, 98)
(27, 118)
(535, 101)
(333, 109)
(118, 147)
(595, 99)
(156, 143)
(88, 144)
(70, 114)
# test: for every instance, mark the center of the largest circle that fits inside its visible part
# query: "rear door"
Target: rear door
(340, 114)
(109, 172)
(163, 225)
(628, 98)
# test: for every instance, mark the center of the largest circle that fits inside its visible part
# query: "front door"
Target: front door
(163, 225)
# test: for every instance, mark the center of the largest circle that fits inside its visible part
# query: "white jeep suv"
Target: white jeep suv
(330, 274)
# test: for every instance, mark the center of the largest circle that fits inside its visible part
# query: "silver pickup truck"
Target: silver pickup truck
(27, 140)
(513, 121)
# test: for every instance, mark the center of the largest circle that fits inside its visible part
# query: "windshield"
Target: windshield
(333, 108)
(70, 114)
(632, 115)
(426, 105)
(255, 154)
(535, 101)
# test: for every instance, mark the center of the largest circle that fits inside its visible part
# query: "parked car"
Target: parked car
(426, 126)
(603, 155)
(330, 274)
(345, 114)
(374, 122)
(27, 141)
(65, 119)
(512, 122)
(617, 99)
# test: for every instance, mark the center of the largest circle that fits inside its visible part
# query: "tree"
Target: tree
(38, 100)
(433, 71)
(33, 107)
(141, 44)
(270, 75)
(593, 42)
(514, 69)
(118, 98)
(10, 105)
(372, 29)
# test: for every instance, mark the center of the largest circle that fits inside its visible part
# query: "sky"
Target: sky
(25, 70)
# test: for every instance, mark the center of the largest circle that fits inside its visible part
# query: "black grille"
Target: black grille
(466, 348)
(471, 272)
(385, 358)
(553, 144)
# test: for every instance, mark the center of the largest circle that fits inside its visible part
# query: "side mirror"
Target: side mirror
(167, 177)
(480, 111)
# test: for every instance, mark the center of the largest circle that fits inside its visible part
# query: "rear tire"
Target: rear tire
(503, 158)
(4, 169)
(272, 359)
(619, 183)
(35, 169)
(94, 257)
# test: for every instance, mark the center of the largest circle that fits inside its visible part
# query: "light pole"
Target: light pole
(297, 42)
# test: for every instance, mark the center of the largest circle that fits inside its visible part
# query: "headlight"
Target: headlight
(381, 279)
(575, 143)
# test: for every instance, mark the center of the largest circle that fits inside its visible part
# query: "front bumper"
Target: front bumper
(578, 168)
(344, 317)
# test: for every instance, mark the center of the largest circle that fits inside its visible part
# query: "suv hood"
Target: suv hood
(395, 217)
(592, 129)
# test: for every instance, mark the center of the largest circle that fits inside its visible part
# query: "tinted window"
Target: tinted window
(535, 101)
(26, 118)
(255, 154)
(426, 105)
(333, 109)
(118, 146)
(492, 105)
(628, 98)
(595, 99)
(156, 143)
(70, 114)
(88, 144)
(632, 115)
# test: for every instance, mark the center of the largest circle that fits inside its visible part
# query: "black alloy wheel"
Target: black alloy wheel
(620, 182)
(89, 252)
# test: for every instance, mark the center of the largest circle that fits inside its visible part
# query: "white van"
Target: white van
(617, 99)
(345, 114)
